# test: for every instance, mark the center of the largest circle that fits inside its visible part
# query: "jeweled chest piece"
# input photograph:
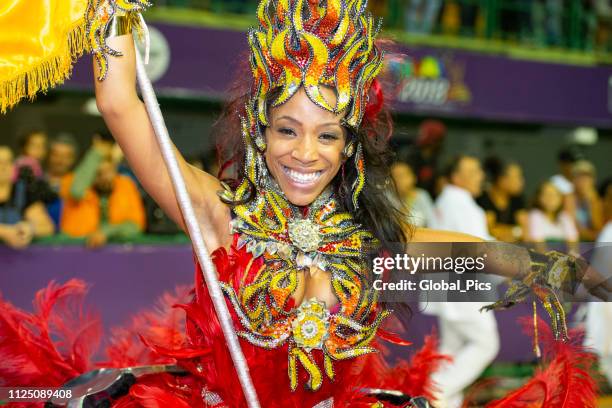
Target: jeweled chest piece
(311, 326)
(304, 234)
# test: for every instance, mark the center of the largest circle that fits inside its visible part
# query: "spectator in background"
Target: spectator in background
(503, 201)
(456, 208)
(603, 13)
(421, 15)
(563, 180)
(589, 213)
(548, 221)
(451, 18)
(100, 204)
(32, 153)
(424, 160)
(416, 200)
(547, 21)
(63, 152)
(22, 216)
(467, 335)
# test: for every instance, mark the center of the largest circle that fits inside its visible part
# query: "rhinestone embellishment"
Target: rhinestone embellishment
(304, 234)
(310, 328)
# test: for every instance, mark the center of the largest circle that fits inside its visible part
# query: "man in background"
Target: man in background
(563, 180)
(589, 210)
(466, 334)
(100, 204)
(63, 151)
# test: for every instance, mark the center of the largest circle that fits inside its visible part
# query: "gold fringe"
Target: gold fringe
(52, 71)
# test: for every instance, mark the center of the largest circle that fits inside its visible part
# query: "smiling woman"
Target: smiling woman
(308, 202)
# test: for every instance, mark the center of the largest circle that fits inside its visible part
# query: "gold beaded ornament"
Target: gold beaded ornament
(107, 18)
(311, 43)
(327, 238)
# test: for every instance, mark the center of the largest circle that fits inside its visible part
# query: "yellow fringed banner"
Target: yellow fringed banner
(39, 42)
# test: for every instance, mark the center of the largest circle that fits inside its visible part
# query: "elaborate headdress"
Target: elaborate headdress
(311, 43)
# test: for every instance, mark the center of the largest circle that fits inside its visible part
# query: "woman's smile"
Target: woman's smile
(302, 178)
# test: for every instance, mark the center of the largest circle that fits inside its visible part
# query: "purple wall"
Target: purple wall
(428, 81)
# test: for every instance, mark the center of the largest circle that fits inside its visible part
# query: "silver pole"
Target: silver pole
(208, 268)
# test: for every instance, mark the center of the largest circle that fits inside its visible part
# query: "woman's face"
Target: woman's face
(403, 177)
(550, 198)
(304, 146)
(512, 181)
(36, 147)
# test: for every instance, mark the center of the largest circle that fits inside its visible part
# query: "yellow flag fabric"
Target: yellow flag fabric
(39, 41)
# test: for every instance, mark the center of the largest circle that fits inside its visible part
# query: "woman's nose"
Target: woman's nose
(305, 150)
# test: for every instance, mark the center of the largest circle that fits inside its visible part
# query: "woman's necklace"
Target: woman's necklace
(326, 237)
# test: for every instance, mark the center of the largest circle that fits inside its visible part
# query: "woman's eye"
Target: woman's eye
(286, 131)
(329, 136)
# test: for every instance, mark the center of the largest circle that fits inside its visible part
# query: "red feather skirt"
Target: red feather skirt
(55, 343)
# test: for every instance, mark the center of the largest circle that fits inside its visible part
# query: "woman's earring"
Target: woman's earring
(348, 150)
(359, 182)
(262, 172)
(260, 141)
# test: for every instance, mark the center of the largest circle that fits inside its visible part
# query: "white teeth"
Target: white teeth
(303, 178)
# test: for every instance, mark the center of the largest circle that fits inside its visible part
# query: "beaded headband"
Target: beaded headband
(311, 43)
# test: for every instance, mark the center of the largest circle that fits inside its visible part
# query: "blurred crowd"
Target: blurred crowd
(570, 23)
(578, 24)
(45, 190)
(487, 198)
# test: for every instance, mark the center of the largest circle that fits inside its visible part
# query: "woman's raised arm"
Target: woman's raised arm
(127, 119)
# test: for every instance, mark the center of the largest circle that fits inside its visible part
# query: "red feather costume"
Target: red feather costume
(43, 349)
(298, 44)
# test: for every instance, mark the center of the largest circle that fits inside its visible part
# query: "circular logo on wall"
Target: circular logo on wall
(159, 54)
